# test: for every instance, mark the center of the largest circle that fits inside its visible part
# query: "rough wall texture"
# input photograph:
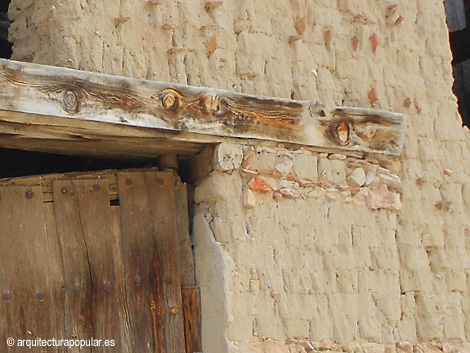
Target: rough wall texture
(277, 258)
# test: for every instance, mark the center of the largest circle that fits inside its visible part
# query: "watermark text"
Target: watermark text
(39, 342)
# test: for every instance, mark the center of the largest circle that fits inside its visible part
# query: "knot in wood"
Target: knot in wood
(71, 102)
(171, 100)
(337, 131)
(210, 102)
(342, 133)
(370, 132)
(318, 108)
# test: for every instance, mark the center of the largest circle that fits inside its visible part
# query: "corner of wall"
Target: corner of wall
(212, 263)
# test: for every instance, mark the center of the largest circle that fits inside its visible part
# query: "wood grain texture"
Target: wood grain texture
(192, 319)
(83, 223)
(137, 228)
(122, 278)
(161, 192)
(30, 304)
(185, 250)
(45, 181)
(148, 217)
(148, 211)
(55, 270)
(202, 114)
(107, 272)
(66, 136)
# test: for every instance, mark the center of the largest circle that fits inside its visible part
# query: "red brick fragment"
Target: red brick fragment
(293, 177)
(399, 20)
(301, 26)
(392, 7)
(373, 96)
(343, 187)
(355, 190)
(381, 197)
(355, 42)
(374, 41)
(212, 45)
(274, 173)
(259, 185)
(328, 35)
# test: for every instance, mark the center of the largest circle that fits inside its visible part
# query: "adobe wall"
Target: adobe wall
(293, 246)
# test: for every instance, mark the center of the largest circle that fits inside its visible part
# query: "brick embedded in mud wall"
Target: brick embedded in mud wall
(302, 174)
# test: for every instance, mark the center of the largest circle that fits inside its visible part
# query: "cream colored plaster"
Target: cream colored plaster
(308, 258)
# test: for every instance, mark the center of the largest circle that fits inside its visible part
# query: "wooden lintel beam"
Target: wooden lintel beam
(66, 103)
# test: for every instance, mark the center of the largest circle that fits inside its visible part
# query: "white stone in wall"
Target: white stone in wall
(357, 177)
(332, 171)
(305, 166)
(228, 156)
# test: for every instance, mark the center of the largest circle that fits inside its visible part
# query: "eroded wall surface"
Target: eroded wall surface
(294, 246)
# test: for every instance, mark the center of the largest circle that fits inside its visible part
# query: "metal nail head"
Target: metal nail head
(168, 278)
(107, 287)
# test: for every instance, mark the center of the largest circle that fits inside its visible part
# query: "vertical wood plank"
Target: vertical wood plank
(76, 267)
(127, 346)
(192, 319)
(55, 270)
(27, 291)
(148, 210)
(137, 255)
(190, 293)
(84, 223)
(161, 190)
(185, 250)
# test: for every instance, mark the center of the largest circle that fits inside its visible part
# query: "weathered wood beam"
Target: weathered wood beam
(52, 109)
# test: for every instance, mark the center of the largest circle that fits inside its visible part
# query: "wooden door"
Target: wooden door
(100, 260)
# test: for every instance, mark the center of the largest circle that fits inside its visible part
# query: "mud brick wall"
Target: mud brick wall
(295, 247)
